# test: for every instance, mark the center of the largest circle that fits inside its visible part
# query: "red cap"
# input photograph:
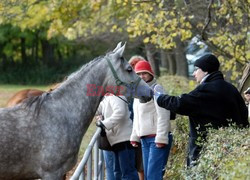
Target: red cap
(134, 60)
(144, 66)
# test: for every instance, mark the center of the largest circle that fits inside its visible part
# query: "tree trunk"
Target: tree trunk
(3, 58)
(47, 52)
(168, 61)
(171, 62)
(150, 57)
(23, 51)
(181, 60)
(164, 62)
(36, 47)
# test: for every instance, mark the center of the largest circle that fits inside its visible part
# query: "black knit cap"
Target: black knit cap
(208, 63)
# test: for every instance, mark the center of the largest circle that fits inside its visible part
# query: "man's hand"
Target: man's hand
(158, 90)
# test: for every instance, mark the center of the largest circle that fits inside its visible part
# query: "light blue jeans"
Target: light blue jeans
(154, 159)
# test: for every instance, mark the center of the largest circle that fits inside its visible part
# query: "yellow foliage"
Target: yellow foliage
(185, 34)
(223, 10)
(160, 5)
(199, 25)
(119, 1)
(71, 34)
(231, 20)
(114, 27)
(15, 10)
(156, 21)
(172, 14)
(96, 6)
(39, 13)
(188, 25)
(146, 40)
(214, 24)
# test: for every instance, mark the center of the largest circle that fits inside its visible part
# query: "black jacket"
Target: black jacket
(214, 102)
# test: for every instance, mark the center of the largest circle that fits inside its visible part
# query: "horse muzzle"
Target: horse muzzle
(142, 92)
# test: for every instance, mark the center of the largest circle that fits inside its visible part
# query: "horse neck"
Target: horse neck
(75, 94)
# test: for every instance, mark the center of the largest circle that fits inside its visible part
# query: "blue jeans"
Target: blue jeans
(125, 163)
(109, 158)
(155, 159)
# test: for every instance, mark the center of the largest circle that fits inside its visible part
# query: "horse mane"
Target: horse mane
(38, 101)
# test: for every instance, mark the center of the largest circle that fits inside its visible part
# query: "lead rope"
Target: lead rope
(123, 99)
(119, 97)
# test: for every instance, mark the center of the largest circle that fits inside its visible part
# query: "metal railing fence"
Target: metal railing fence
(85, 168)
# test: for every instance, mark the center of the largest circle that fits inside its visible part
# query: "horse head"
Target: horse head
(127, 82)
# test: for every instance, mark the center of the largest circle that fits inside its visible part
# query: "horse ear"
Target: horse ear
(118, 46)
(120, 51)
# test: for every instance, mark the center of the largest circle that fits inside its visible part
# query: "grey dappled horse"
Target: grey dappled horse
(41, 137)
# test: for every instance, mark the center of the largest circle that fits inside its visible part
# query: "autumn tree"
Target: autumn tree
(164, 26)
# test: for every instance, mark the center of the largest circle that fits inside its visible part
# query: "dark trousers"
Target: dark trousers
(193, 151)
(194, 147)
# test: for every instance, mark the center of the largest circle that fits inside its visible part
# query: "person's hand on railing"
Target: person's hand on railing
(99, 118)
(99, 123)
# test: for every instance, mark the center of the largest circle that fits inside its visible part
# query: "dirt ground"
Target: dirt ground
(71, 172)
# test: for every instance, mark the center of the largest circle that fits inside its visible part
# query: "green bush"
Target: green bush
(176, 85)
(226, 155)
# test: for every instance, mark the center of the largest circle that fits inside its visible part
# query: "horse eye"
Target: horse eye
(129, 69)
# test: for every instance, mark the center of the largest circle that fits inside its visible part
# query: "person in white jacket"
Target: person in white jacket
(151, 128)
(118, 127)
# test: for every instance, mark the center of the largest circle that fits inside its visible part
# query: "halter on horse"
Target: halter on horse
(41, 137)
